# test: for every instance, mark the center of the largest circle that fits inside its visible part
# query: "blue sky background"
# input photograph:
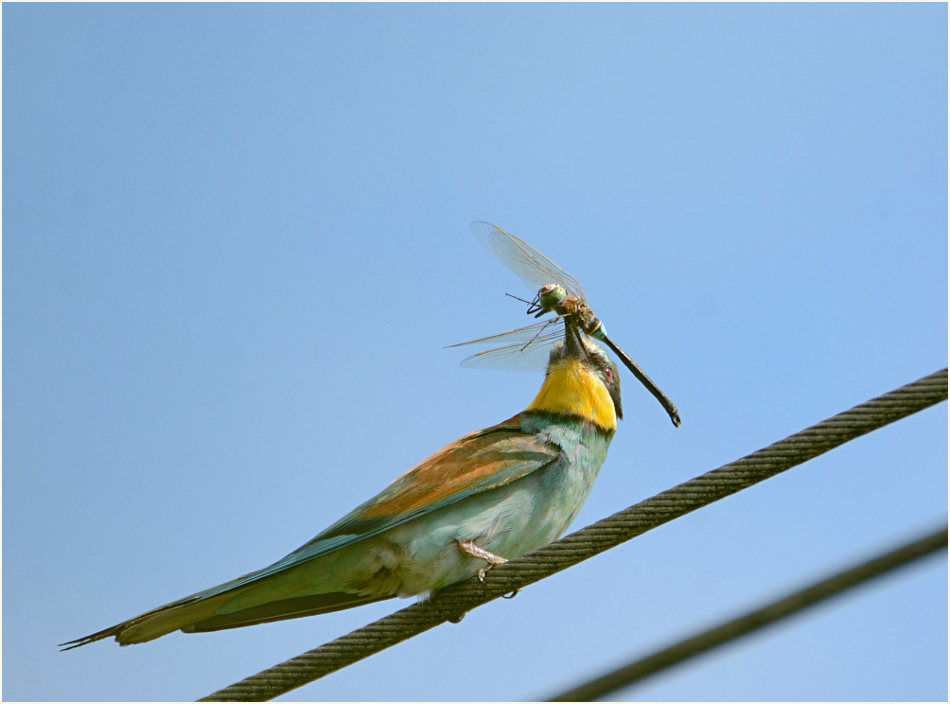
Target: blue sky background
(237, 239)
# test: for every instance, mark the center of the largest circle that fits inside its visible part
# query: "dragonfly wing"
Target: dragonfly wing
(524, 349)
(529, 264)
(511, 358)
(530, 355)
(523, 335)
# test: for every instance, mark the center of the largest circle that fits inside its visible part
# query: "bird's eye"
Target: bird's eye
(609, 373)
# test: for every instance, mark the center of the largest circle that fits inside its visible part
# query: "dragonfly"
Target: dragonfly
(526, 348)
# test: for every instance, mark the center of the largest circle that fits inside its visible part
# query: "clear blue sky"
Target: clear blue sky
(236, 240)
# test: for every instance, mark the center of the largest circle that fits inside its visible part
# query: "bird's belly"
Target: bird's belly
(509, 521)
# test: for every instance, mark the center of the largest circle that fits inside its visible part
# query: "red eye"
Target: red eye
(609, 373)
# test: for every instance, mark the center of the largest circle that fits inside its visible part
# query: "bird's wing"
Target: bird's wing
(478, 462)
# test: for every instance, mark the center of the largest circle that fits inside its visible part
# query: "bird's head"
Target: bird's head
(581, 382)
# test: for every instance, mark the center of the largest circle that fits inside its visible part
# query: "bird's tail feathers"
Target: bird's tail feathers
(155, 623)
(203, 614)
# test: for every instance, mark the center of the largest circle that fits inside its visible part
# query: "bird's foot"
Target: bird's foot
(483, 572)
(472, 550)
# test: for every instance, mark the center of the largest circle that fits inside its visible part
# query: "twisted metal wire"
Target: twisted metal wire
(754, 620)
(451, 603)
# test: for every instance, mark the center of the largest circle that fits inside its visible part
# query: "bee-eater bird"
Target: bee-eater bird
(493, 495)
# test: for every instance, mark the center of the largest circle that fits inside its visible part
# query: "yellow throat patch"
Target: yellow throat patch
(573, 389)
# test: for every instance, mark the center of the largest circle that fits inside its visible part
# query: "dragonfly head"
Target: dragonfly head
(548, 298)
(551, 295)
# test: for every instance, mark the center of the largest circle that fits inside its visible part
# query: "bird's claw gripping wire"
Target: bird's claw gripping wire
(470, 549)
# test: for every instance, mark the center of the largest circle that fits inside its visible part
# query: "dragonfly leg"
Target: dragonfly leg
(472, 550)
(540, 330)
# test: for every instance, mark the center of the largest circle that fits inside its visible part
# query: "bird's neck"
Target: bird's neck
(572, 389)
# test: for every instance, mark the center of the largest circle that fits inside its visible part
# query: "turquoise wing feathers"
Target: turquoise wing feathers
(478, 462)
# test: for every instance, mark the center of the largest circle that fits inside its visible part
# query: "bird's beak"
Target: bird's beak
(573, 347)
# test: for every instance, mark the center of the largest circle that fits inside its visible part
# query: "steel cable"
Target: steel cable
(451, 603)
(753, 620)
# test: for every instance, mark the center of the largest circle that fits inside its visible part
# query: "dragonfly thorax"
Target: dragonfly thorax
(583, 316)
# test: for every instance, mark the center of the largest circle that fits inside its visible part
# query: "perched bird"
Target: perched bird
(492, 495)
